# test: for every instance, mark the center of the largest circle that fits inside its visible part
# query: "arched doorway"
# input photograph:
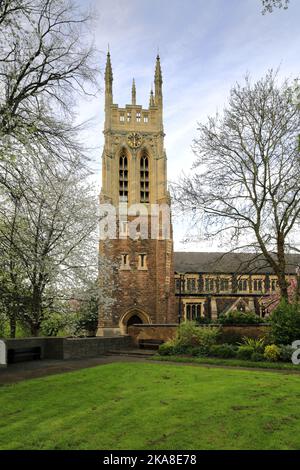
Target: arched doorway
(133, 317)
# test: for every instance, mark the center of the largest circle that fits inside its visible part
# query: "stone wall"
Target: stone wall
(77, 348)
(230, 333)
(70, 348)
(159, 332)
(235, 333)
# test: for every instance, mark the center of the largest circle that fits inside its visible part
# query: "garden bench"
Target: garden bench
(150, 343)
(23, 354)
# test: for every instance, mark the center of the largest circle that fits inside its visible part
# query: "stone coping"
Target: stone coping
(167, 325)
(153, 325)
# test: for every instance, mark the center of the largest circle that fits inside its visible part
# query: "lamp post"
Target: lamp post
(181, 289)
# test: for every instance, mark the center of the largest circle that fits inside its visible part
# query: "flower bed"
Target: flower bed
(206, 342)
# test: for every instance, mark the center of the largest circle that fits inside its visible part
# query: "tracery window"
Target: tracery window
(193, 311)
(243, 285)
(123, 176)
(257, 285)
(144, 178)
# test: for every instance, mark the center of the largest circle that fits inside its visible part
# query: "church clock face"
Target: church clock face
(134, 140)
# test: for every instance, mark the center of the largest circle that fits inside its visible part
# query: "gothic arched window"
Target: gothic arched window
(144, 177)
(123, 176)
(188, 312)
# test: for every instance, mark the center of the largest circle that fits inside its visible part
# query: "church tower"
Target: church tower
(134, 185)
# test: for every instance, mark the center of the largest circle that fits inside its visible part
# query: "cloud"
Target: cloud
(205, 47)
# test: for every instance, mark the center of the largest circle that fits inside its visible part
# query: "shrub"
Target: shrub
(234, 334)
(286, 352)
(285, 323)
(52, 324)
(198, 351)
(204, 321)
(191, 339)
(181, 349)
(257, 357)
(188, 334)
(166, 349)
(223, 350)
(257, 344)
(272, 353)
(239, 318)
(244, 352)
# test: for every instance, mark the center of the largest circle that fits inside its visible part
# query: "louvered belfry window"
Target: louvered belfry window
(144, 178)
(123, 176)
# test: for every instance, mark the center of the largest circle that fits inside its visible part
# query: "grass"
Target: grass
(152, 406)
(289, 366)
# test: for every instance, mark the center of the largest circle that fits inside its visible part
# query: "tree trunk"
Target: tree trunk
(36, 310)
(35, 329)
(12, 327)
(283, 285)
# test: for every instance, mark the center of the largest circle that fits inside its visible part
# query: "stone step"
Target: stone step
(133, 352)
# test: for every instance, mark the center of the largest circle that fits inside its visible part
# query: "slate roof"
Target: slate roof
(213, 262)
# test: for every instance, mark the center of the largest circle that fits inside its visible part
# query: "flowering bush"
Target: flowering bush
(272, 353)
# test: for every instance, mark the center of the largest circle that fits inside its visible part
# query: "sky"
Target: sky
(205, 46)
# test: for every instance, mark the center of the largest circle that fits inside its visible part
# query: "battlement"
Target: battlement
(134, 117)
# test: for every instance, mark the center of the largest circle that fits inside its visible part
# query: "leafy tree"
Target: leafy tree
(48, 209)
(269, 5)
(46, 61)
(285, 323)
(245, 186)
(48, 241)
(88, 309)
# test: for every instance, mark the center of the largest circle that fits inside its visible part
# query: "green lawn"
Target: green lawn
(152, 406)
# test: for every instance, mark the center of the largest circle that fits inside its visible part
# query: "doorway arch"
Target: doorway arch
(131, 317)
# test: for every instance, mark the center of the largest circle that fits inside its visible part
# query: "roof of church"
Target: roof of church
(213, 262)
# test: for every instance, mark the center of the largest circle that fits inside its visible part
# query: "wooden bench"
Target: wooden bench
(150, 343)
(23, 354)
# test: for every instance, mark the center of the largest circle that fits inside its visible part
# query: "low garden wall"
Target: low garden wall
(158, 332)
(65, 348)
(229, 333)
(234, 333)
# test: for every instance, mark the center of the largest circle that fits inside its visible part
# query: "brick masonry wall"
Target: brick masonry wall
(166, 332)
(76, 348)
(159, 332)
(150, 290)
(234, 334)
(71, 348)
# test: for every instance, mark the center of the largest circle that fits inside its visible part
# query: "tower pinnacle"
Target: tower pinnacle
(151, 100)
(108, 75)
(133, 93)
(158, 82)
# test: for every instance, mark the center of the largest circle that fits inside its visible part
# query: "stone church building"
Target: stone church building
(151, 283)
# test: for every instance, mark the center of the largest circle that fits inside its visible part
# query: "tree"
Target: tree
(45, 60)
(268, 5)
(245, 186)
(47, 209)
